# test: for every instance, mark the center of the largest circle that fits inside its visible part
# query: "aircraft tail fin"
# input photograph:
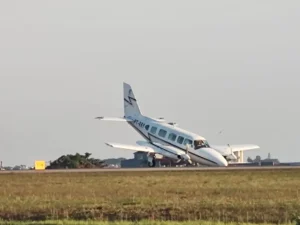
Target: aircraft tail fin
(131, 107)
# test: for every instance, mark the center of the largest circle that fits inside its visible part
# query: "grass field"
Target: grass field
(240, 196)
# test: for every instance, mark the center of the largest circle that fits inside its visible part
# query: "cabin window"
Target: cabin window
(147, 127)
(180, 139)
(188, 142)
(153, 130)
(162, 133)
(172, 137)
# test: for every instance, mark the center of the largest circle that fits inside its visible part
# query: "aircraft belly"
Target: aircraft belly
(201, 160)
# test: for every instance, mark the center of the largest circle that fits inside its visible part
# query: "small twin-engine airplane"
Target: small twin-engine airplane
(164, 139)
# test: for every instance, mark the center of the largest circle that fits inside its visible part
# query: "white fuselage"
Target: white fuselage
(172, 141)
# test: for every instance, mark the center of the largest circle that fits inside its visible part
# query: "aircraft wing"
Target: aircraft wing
(117, 119)
(131, 147)
(160, 151)
(226, 150)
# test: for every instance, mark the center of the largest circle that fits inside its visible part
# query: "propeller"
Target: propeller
(231, 152)
(187, 152)
(183, 157)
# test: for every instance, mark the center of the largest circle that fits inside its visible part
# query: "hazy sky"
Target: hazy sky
(208, 65)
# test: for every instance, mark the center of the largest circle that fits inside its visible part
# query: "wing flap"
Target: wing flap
(131, 147)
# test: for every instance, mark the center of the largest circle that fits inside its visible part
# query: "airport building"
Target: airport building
(139, 160)
(240, 156)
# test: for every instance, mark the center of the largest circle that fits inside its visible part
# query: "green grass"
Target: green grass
(240, 196)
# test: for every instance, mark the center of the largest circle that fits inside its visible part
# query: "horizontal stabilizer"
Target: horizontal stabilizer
(131, 147)
(117, 119)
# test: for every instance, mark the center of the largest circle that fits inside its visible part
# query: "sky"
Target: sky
(207, 65)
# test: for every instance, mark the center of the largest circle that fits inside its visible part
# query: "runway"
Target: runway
(158, 169)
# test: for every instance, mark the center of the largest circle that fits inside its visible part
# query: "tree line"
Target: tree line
(76, 161)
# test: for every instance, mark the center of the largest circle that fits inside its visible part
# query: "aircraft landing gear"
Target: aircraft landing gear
(151, 162)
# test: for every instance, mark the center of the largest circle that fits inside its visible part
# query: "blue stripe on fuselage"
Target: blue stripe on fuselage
(148, 138)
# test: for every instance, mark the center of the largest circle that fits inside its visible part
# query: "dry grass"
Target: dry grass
(241, 196)
(144, 222)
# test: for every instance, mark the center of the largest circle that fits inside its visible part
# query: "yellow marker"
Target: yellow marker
(40, 165)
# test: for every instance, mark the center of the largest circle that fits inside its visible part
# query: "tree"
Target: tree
(76, 161)
(87, 155)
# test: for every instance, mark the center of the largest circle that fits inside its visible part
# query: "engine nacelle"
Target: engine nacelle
(231, 157)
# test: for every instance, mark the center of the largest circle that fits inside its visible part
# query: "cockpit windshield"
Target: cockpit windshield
(201, 144)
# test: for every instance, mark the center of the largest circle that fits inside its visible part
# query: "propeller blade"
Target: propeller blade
(232, 154)
(187, 152)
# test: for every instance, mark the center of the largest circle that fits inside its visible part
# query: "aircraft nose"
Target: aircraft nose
(214, 156)
(221, 160)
